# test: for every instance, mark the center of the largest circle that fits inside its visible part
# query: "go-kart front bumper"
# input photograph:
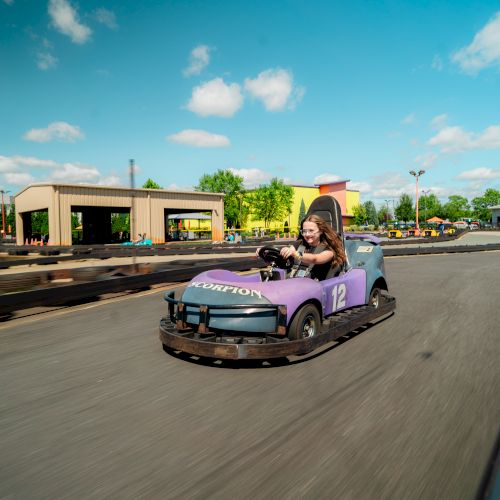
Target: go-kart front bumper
(178, 336)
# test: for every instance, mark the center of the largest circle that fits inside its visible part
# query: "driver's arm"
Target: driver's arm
(319, 258)
(307, 258)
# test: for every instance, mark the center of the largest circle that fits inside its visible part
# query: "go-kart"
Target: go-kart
(395, 233)
(267, 314)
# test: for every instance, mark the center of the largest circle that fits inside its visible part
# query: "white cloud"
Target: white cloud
(45, 60)
(489, 139)
(439, 121)
(408, 119)
(215, 98)
(15, 163)
(106, 17)
(390, 185)
(390, 193)
(426, 159)
(176, 187)
(274, 87)
(199, 139)
(71, 172)
(65, 20)
(480, 174)
(455, 139)
(8, 164)
(60, 131)
(21, 170)
(198, 60)
(452, 139)
(484, 50)
(252, 177)
(327, 179)
(111, 180)
(362, 187)
(19, 179)
(437, 63)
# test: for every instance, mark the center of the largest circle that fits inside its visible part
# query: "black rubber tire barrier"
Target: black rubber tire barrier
(112, 280)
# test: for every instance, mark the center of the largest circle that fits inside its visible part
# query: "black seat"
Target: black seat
(328, 208)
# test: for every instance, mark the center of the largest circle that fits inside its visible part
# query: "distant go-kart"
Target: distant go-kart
(221, 314)
(394, 233)
(413, 232)
(450, 229)
(430, 232)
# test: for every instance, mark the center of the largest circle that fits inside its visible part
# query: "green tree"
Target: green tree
(359, 214)
(371, 213)
(272, 202)
(456, 208)
(302, 212)
(224, 181)
(40, 222)
(429, 206)
(74, 221)
(404, 209)
(244, 200)
(151, 184)
(481, 204)
(10, 220)
(120, 223)
(383, 215)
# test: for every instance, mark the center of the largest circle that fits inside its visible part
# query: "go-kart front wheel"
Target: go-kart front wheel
(305, 324)
(375, 298)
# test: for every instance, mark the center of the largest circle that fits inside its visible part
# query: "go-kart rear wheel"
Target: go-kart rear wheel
(305, 324)
(375, 298)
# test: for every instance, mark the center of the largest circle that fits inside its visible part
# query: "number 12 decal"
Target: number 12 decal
(338, 296)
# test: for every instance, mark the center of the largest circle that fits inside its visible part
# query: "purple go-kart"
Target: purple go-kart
(221, 314)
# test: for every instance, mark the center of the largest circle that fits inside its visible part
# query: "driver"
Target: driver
(318, 249)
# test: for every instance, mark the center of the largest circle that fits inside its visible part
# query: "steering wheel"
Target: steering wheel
(272, 256)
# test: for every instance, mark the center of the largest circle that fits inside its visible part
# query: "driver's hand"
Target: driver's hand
(287, 252)
(257, 252)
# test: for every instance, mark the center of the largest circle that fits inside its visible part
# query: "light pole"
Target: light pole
(387, 214)
(132, 214)
(3, 213)
(417, 175)
(425, 192)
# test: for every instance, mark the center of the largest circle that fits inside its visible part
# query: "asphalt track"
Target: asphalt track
(92, 407)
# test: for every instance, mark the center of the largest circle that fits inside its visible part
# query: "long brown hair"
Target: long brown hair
(329, 238)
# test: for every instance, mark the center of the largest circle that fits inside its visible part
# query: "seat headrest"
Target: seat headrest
(328, 208)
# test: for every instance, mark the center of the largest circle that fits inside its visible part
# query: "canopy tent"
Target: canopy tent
(195, 215)
(437, 220)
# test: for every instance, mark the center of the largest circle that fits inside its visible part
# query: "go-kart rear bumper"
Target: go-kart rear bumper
(227, 346)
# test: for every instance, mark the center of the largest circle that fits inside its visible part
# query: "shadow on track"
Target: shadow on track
(238, 364)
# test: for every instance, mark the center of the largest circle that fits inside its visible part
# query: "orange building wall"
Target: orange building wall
(338, 191)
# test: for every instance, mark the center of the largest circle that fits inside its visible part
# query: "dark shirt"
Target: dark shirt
(318, 271)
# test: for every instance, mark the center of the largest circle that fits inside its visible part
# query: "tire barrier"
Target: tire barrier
(24, 290)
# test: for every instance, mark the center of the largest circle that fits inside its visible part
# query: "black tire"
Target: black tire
(375, 298)
(19, 282)
(305, 324)
(86, 273)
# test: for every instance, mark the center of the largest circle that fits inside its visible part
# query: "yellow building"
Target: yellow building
(347, 199)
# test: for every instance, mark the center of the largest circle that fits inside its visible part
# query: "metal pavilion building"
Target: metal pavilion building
(149, 210)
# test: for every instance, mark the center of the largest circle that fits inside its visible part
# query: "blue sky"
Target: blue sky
(307, 91)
